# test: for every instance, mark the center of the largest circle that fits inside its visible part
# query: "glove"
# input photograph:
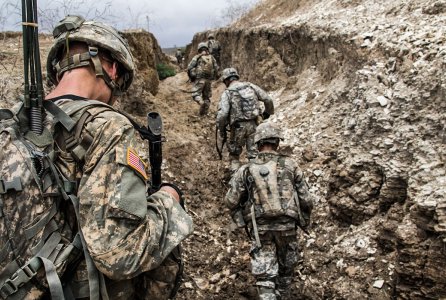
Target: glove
(177, 189)
(265, 115)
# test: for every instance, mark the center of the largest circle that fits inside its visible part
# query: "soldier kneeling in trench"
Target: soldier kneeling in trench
(270, 197)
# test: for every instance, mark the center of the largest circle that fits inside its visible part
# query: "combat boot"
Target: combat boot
(266, 293)
(204, 108)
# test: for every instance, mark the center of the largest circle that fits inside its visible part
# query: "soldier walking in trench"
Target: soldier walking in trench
(270, 197)
(239, 108)
(214, 48)
(201, 70)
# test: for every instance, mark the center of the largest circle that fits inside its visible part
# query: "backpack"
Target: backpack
(39, 239)
(205, 67)
(272, 191)
(214, 47)
(244, 103)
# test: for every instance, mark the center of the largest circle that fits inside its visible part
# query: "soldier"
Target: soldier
(239, 108)
(179, 56)
(270, 197)
(129, 234)
(214, 47)
(201, 70)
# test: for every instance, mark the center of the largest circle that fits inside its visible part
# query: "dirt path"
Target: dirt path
(216, 255)
(216, 258)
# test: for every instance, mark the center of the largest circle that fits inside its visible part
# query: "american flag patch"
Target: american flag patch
(136, 163)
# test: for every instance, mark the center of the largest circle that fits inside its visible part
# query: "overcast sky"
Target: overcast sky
(173, 22)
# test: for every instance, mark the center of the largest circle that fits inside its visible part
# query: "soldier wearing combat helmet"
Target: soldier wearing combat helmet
(214, 47)
(129, 235)
(269, 196)
(240, 110)
(201, 70)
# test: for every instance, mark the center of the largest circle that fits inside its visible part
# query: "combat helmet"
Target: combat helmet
(98, 37)
(268, 132)
(202, 45)
(228, 73)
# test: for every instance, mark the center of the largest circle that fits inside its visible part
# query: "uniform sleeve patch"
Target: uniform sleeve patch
(136, 163)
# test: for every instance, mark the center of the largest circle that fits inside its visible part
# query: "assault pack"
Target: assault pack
(272, 194)
(39, 236)
(205, 67)
(244, 103)
(272, 190)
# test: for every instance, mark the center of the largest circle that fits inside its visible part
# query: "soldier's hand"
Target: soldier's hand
(174, 191)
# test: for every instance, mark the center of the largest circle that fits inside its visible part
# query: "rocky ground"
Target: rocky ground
(359, 89)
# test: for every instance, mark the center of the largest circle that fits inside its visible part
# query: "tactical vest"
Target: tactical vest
(39, 237)
(205, 67)
(271, 191)
(244, 103)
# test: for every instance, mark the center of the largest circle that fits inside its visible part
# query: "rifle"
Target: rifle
(153, 134)
(33, 86)
(225, 137)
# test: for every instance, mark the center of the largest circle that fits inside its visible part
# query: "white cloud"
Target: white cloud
(173, 22)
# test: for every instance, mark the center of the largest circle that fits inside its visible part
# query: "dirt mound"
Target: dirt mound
(148, 55)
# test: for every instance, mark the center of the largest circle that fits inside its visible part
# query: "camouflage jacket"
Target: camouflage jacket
(241, 196)
(227, 113)
(214, 47)
(127, 231)
(203, 66)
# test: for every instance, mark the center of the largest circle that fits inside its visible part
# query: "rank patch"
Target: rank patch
(136, 163)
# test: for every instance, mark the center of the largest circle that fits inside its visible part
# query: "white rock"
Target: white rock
(378, 284)
(188, 285)
(317, 173)
(383, 101)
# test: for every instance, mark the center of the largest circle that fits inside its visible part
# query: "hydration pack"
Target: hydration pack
(244, 103)
(272, 190)
(205, 67)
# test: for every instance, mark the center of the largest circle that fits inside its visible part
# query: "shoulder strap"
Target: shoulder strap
(72, 140)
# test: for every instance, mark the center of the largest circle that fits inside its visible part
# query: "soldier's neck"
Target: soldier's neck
(82, 83)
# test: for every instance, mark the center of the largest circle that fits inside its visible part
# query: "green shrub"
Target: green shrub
(164, 71)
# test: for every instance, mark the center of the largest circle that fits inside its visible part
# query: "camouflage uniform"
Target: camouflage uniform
(131, 237)
(128, 233)
(205, 69)
(241, 129)
(272, 261)
(179, 57)
(215, 49)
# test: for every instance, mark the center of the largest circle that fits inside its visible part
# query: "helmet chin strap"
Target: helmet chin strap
(83, 60)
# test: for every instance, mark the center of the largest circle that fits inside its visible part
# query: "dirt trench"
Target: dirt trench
(216, 256)
(365, 123)
(363, 113)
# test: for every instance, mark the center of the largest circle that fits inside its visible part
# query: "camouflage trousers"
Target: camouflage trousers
(202, 94)
(273, 263)
(242, 135)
